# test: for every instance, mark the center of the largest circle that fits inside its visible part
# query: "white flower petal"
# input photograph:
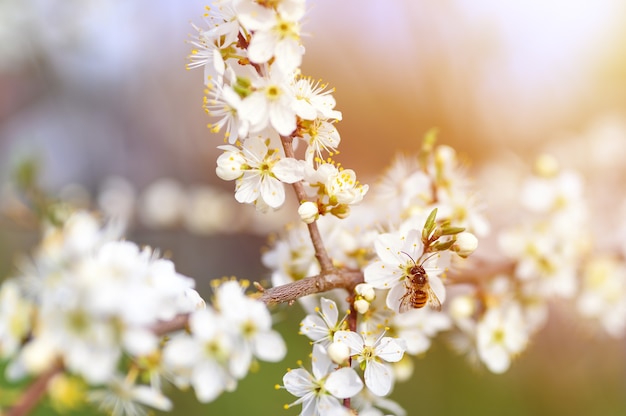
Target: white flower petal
(208, 381)
(139, 341)
(262, 45)
(390, 349)
(343, 383)
(248, 188)
(330, 311)
(320, 362)
(389, 249)
(298, 382)
(270, 346)
(289, 170)
(394, 295)
(381, 275)
(283, 118)
(272, 192)
(151, 397)
(378, 378)
(314, 327)
(352, 339)
(326, 404)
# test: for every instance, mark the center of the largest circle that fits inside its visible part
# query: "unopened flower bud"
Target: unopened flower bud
(366, 291)
(338, 352)
(361, 305)
(308, 212)
(465, 244)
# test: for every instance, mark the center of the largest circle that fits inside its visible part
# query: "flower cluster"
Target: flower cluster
(100, 319)
(222, 342)
(251, 54)
(332, 348)
(495, 315)
(398, 308)
(94, 307)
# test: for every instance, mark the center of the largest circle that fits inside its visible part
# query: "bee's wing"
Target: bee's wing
(433, 300)
(406, 301)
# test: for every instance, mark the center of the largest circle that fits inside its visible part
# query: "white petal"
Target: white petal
(326, 404)
(272, 191)
(289, 170)
(291, 10)
(288, 54)
(381, 275)
(203, 324)
(390, 350)
(495, 358)
(181, 351)
(139, 341)
(388, 248)
(314, 327)
(298, 382)
(255, 110)
(320, 361)
(413, 244)
(151, 397)
(261, 48)
(248, 188)
(253, 16)
(378, 378)
(310, 405)
(352, 339)
(329, 310)
(283, 118)
(270, 346)
(240, 360)
(394, 295)
(343, 383)
(208, 381)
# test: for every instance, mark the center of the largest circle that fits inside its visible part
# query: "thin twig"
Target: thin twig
(35, 392)
(316, 238)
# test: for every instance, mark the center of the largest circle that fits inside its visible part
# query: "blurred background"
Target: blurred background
(97, 93)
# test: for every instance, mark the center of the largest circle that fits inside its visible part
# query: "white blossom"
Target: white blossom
(321, 326)
(319, 392)
(396, 253)
(372, 357)
(500, 335)
(260, 171)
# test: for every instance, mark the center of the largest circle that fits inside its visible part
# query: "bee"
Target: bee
(418, 292)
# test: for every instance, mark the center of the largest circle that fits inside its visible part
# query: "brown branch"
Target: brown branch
(176, 324)
(351, 327)
(316, 238)
(290, 292)
(35, 392)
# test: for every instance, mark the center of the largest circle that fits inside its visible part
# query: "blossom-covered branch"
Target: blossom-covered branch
(95, 318)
